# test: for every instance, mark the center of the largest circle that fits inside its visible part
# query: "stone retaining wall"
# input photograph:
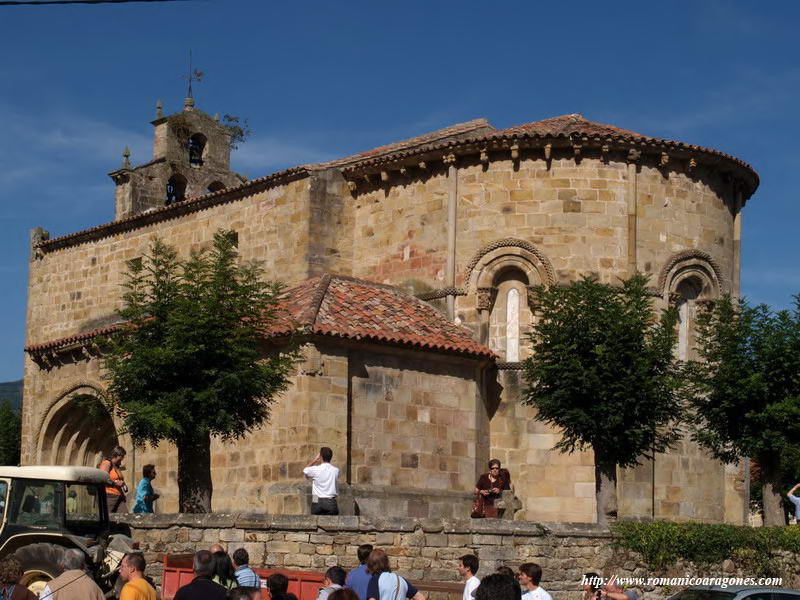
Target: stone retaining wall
(418, 548)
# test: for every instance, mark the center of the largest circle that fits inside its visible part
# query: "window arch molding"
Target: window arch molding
(691, 266)
(499, 256)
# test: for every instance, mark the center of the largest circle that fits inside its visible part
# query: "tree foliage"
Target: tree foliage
(238, 128)
(10, 431)
(746, 389)
(191, 362)
(603, 372)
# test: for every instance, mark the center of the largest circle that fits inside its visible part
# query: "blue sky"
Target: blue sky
(319, 80)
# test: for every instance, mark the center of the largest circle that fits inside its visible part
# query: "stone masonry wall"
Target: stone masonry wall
(418, 548)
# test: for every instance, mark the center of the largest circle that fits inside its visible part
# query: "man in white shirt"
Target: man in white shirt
(467, 567)
(323, 476)
(529, 576)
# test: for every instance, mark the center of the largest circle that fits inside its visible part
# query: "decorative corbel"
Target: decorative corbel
(423, 165)
(352, 186)
(664, 159)
(604, 152)
(514, 151)
(634, 155)
(484, 156)
(403, 171)
(384, 176)
(692, 164)
(548, 151)
(367, 178)
(486, 296)
(449, 159)
(576, 148)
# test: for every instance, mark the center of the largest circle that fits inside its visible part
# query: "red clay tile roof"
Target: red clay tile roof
(345, 307)
(78, 338)
(566, 125)
(453, 132)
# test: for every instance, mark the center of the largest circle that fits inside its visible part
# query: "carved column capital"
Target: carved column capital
(486, 297)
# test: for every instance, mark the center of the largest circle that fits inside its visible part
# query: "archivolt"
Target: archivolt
(687, 263)
(62, 398)
(509, 250)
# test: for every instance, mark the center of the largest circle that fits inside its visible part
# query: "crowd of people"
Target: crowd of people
(218, 577)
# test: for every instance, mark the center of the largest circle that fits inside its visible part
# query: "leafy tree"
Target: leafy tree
(10, 431)
(238, 128)
(603, 371)
(191, 361)
(746, 389)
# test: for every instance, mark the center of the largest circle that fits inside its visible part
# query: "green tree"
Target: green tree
(10, 431)
(746, 389)
(603, 372)
(191, 362)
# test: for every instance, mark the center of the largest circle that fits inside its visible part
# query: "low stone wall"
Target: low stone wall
(418, 548)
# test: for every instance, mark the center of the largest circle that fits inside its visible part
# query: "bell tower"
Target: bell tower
(191, 157)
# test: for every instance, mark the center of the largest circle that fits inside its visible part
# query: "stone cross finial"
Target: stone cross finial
(188, 103)
(216, 117)
(159, 109)
(126, 158)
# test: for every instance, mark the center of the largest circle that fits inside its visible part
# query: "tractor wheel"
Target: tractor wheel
(40, 564)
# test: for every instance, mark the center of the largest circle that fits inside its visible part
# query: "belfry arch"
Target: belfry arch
(76, 430)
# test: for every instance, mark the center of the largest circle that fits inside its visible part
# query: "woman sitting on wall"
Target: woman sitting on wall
(490, 487)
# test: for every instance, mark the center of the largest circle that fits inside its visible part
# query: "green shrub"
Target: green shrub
(662, 543)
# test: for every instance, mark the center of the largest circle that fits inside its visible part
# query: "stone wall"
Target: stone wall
(418, 548)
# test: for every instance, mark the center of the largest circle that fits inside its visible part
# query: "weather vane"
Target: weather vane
(193, 75)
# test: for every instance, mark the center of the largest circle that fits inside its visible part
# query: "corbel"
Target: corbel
(576, 148)
(449, 159)
(352, 186)
(664, 159)
(604, 152)
(634, 155)
(384, 176)
(403, 171)
(692, 164)
(423, 165)
(514, 151)
(367, 178)
(484, 155)
(548, 151)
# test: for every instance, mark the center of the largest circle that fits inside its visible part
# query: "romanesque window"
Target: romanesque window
(510, 317)
(197, 146)
(176, 189)
(688, 291)
(688, 280)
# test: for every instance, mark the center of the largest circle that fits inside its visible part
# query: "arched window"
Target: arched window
(215, 186)
(197, 146)
(176, 189)
(688, 291)
(510, 317)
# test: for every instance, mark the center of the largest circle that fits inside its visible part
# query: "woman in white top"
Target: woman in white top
(384, 584)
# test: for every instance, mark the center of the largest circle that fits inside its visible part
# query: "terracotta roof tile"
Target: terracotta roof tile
(351, 308)
(566, 125)
(344, 307)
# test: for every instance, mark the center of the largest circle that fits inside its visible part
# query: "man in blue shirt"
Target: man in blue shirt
(245, 576)
(796, 501)
(358, 578)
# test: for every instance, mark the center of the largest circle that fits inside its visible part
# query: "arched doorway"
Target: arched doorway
(77, 430)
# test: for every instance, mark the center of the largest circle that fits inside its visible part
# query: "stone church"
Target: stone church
(409, 269)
